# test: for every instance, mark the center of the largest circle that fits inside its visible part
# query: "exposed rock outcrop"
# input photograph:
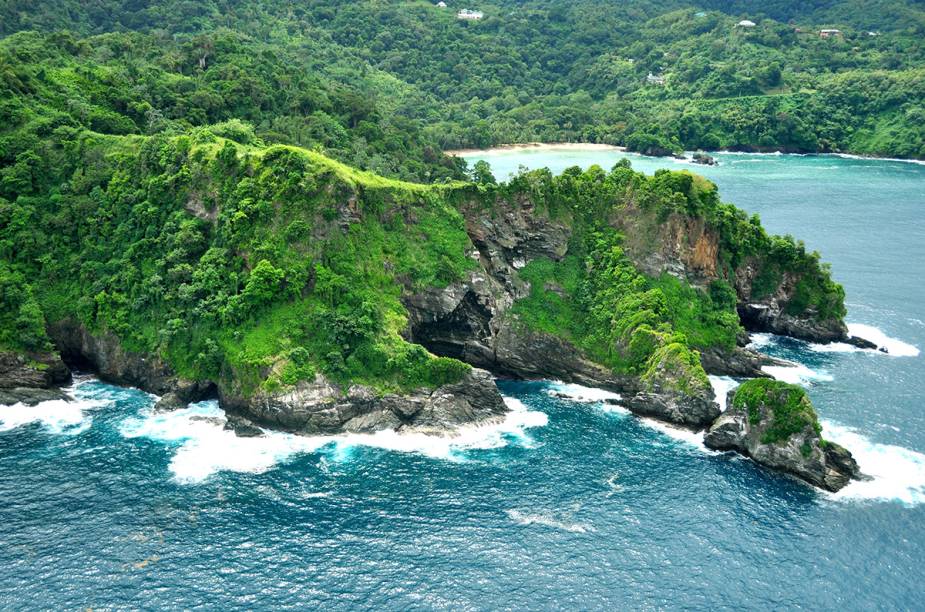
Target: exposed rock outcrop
(31, 378)
(323, 407)
(774, 423)
(703, 158)
(771, 316)
(471, 319)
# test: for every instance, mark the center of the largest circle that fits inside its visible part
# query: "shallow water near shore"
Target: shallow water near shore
(571, 501)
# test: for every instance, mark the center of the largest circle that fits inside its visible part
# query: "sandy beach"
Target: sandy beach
(539, 146)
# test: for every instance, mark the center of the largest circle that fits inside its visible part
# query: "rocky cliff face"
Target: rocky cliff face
(689, 248)
(471, 319)
(104, 354)
(769, 313)
(777, 427)
(311, 407)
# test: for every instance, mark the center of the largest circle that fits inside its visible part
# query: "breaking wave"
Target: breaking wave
(722, 385)
(204, 447)
(894, 346)
(918, 162)
(580, 393)
(797, 374)
(897, 473)
(60, 416)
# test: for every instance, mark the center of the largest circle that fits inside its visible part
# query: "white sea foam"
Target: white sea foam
(206, 447)
(580, 393)
(872, 158)
(487, 436)
(548, 520)
(686, 436)
(894, 347)
(756, 341)
(897, 473)
(722, 385)
(56, 416)
(797, 374)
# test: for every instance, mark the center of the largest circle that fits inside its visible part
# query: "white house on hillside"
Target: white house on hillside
(467, 14)
(441, 4)
(745, 23)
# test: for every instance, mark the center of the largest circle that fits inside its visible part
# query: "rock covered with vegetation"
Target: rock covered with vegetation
(774, 423)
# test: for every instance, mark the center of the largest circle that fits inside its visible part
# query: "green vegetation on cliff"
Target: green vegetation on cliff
(790, 407)
(22, 324)
(261, 266)
(224, 186)
(597, 298)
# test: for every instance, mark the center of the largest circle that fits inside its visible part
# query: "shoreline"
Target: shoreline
(538, 146)
(593, 146)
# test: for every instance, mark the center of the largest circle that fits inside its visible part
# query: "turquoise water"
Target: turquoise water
(569, 503)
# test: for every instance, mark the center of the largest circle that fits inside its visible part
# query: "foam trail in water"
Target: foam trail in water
(894, 347)
(685, 436)
(722, 385)
(206, 447)
(580, 393)
(548, 520)
(797, 374)
(897, 473)
(57, 416)
(918, 162)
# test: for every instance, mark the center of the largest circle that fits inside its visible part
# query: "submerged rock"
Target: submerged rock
(775, 424)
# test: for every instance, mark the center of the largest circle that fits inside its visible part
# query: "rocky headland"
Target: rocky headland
(640, 248)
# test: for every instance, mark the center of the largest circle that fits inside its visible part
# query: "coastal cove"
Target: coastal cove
(570, 498)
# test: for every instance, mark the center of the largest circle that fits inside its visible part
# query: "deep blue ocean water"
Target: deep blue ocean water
(569, 503)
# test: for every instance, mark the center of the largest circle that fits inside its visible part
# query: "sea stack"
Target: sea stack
(774, 423)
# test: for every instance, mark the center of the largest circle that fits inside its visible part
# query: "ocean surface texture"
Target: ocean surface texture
(571, 502)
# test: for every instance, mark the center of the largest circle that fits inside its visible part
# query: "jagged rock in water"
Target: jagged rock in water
(775, 424)
(771, 316)
(242, 426)
(703, 158)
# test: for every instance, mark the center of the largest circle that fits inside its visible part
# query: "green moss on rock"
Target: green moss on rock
(786, 407)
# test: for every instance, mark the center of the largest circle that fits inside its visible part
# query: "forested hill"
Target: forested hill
(386, 85)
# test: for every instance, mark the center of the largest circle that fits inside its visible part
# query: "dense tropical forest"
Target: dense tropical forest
(174, 172)
(387, 85)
